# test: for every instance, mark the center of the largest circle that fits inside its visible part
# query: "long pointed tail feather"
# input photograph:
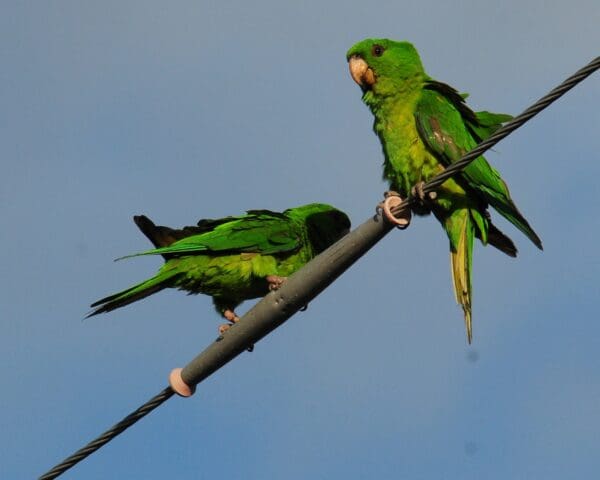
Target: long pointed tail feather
(511, 213)
(461, 260)
(133, 294)
(501, 241)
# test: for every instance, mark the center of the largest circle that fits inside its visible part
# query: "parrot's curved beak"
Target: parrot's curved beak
(361, 72)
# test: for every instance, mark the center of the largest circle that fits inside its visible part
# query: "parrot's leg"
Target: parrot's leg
(423, 201)
(230, 315)
(226, 307)
(275, 282)
(232, 318)
(417, 192)
(393, 199)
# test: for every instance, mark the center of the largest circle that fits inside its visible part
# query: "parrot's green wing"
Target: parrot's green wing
(260, 231)
(487, 123)
(449, 129)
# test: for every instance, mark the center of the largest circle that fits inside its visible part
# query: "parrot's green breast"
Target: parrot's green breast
(407, 160)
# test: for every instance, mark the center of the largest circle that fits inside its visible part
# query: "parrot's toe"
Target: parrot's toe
(275, 282)
(231, 316)
(418, 192)
(224, 327)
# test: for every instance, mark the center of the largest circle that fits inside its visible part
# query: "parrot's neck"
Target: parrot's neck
(388, 93)
(394, 115)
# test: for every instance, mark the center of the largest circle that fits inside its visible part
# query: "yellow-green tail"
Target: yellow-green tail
(161, 280)
(461, 232)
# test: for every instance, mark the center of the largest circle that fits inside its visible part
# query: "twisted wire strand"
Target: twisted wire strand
(504, 131)
(107, 436)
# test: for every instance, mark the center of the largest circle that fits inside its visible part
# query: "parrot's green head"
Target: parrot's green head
(325, 224)
(385, 67)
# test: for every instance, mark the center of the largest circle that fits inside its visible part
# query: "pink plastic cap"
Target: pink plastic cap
(178, 385)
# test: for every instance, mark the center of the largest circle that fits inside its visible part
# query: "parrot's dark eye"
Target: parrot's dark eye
(377, 50)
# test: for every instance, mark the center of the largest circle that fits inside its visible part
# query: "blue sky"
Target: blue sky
(203, 109)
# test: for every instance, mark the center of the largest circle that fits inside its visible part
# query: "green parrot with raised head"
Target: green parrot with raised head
(424, 126)
(234, 259)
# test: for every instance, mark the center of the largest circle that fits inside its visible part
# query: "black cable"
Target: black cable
(109, 434)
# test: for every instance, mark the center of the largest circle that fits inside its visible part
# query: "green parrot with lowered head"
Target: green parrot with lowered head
(424, 126)
(234, 259)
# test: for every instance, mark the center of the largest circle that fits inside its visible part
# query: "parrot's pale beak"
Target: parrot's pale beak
(361, 72)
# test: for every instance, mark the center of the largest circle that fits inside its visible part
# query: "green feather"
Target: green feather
(445, 130)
